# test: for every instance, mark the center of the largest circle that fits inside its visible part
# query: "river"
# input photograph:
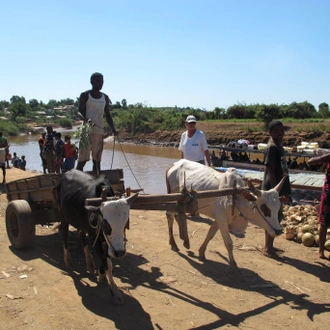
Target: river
(143, 166)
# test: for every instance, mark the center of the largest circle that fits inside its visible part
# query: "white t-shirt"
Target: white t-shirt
(193, 148)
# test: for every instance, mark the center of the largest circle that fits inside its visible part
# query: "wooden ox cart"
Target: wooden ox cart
(31, 202)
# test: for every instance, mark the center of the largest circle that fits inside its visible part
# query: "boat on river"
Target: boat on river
(251, 158)
(254, 168)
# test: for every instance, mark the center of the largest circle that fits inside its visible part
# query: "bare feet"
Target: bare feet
(272, 254)
(194, 215)
(277, 250)
(322, 255)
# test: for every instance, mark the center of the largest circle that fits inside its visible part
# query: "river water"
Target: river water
(143, 166)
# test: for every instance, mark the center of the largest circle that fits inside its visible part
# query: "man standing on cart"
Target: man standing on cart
(93, 105)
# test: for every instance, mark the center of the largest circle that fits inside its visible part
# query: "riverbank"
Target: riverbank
(223, 132)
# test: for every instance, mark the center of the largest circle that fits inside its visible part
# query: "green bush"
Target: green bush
(9, 128)
(65, 122)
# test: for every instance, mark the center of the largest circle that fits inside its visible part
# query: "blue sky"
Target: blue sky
(201, 54)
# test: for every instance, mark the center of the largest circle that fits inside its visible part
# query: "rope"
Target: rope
(113, 153)
(122, 150)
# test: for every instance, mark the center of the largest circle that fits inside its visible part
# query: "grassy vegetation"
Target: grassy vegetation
(9, 128)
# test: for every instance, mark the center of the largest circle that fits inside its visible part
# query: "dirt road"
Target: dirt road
(163, 289)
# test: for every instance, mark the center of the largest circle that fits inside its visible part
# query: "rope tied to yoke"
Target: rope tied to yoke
(124, 155)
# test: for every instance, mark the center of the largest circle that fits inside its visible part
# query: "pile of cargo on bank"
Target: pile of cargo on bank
(300, 225)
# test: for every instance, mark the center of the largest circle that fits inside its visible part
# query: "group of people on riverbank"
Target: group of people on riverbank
(5, 157)
(57, 156)
(18, 162)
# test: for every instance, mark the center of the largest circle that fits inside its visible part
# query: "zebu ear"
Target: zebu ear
(95, 209)
(130, 200)
(253, 189)
(247, 195)
(280, 184)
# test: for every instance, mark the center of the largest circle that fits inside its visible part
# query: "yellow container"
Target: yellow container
(287, 149)
(315, 145)
(262, 146)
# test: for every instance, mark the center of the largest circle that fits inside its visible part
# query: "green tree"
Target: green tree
(16, 99)
(267, 113)
(17, 109)
(300, 110)
(124, 103)
(52, 104)
(34, 104)
(236, 111)
(219, 113)
(4, 104)
(324, 110)
(67, 101)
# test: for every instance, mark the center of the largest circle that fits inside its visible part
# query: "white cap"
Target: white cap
(191, 119)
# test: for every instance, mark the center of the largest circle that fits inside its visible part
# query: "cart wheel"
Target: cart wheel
(20, 225)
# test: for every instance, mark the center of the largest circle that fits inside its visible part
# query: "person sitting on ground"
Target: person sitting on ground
(305, 166)
(22, 163)
(245, 157)
(293, 164)
(15, 160)
(234, 156)
(223, 155)
(289, 162)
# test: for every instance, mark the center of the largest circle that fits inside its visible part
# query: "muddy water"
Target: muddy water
(144, 166)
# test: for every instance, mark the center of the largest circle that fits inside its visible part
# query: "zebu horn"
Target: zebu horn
(280, 184)
(253, 189)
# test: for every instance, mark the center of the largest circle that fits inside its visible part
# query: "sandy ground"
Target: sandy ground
(163, 289)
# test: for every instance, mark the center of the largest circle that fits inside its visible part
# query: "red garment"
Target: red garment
(69, 151)
(41, 141)
(324, 211)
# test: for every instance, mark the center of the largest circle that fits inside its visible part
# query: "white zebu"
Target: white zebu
(256, 206)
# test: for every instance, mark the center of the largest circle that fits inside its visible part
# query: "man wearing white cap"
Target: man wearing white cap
(193, 145)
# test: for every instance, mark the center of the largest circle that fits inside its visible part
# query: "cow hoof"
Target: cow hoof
(186, 245)
(202, 258)
(175, 248)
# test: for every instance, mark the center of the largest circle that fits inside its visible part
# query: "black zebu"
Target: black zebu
(110, 218)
